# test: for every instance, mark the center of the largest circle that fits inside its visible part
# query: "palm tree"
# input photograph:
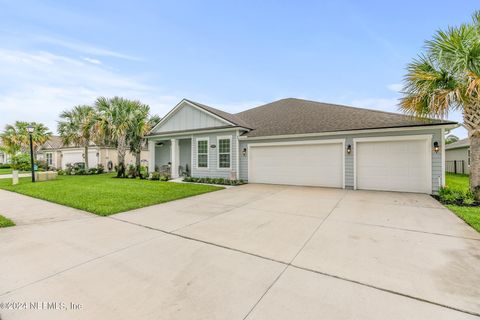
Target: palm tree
(447, 77)
(116, 118)
(15, 138)
(142, 125)
(78, 127)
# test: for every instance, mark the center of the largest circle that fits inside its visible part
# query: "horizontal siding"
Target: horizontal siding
(213, 171)
(349, 165)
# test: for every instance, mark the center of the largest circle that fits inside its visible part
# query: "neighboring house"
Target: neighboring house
(4, 157)
(457, 156)
(300, 142)
(57, 155)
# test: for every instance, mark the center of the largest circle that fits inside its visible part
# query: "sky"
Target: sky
(232, 55)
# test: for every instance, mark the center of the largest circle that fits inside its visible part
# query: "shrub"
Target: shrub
(61, 172)
(459, 197)
(164, 177)
(68, 169)
(80, 171)
(5, 166)
(92, 171)
(100, 169)
(131, 171)
(220, 181)
(21, 162)
(155, 175)
(41, 165)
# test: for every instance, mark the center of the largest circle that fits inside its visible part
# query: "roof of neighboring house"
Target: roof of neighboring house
(222, 114)
(458, 144)
(297, 116)
(55, 142)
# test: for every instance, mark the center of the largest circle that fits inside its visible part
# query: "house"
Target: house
(4, 157)
(300, 142)
(58, 155)
(457, 156)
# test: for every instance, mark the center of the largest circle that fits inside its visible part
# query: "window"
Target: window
(224, 152)
(468, 156)
(49, 158)
(202, 153)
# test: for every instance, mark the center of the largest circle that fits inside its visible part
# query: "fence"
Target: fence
(455, 166)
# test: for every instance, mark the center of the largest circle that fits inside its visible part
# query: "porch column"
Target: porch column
(174, 157)
(151, 156)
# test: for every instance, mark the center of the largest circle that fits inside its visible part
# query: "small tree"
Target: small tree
(141, 126)
(447, 77)
(77, 127)
(15, 138)
(116, 118)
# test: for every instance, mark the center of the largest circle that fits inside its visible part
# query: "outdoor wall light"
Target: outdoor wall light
(213, 146)
(436, 147)
(244, 152)
(349, 149)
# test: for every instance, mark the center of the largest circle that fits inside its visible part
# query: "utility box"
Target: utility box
(45, 175)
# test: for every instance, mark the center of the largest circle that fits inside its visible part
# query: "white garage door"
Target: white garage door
(397, 165)
(77, 156)
(312, 164)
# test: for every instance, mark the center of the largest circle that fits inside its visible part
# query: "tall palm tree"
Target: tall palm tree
(447, 77)
(77, 127)
(142, 125)
(15, 138)
(116, 118)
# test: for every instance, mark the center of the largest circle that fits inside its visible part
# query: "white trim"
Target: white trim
(208, 153)
(179, 105)
(174, 157)
(237, 146)
(218, 152)
(291, 143)
(443, 157)
(428, 148)
(46, 158)
(200, 131)
(334, 133)
(192, 144)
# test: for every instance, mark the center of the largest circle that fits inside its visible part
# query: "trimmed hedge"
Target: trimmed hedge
(220, 181)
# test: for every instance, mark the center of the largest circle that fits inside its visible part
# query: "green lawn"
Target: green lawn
(5, 171)
(104, 195)
(471, 215)
(5, 222)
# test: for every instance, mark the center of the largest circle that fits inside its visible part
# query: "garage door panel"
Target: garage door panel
(308, 165)
(77, 156)
(401, 165)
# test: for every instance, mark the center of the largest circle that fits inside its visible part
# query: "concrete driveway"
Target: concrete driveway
(250, 252)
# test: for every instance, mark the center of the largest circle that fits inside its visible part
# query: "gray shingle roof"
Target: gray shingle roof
(458, 144)
(296, 116)
(55, 142)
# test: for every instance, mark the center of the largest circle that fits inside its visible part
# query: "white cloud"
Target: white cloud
(84, 48)
(37, 86)
(395, 87)
(91, 60)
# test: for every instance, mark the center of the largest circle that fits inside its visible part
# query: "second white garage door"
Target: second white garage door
(77, 156)
(304, 164)
(394, 165)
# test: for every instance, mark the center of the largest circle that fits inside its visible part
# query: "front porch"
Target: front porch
(171, 155)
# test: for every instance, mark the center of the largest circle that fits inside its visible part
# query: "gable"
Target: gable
(188, 117)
